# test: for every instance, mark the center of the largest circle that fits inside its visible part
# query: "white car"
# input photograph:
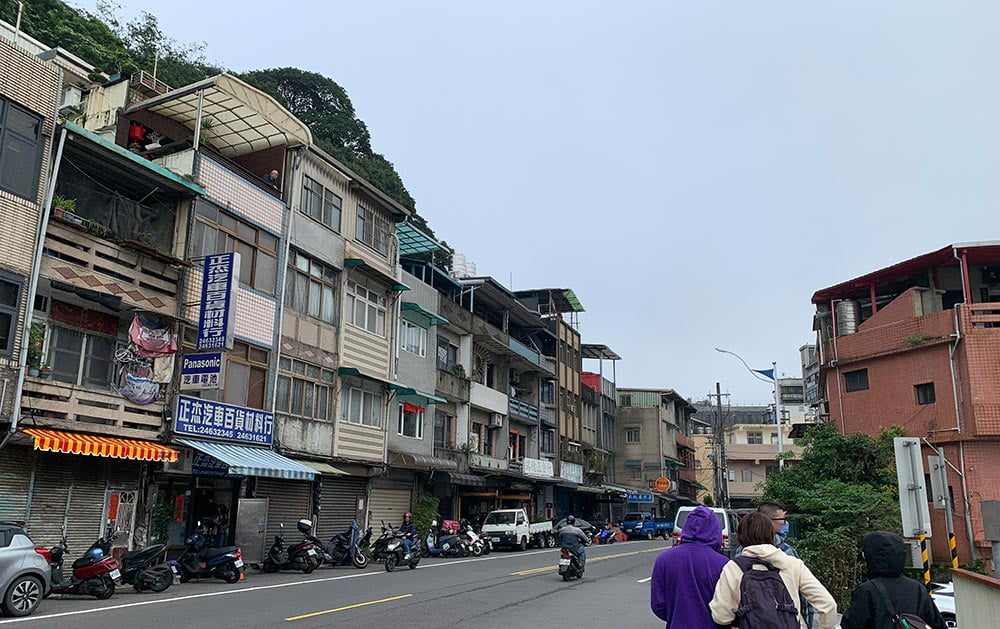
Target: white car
(944, 597)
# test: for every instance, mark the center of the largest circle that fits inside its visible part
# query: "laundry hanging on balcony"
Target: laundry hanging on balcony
(152, 337)
(139, 390)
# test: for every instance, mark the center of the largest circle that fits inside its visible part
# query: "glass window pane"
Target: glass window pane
(355, 414)
(237, 379)
(298, 387)
(290, 289)
(6, 331)
(23, 122)
(301, 293)
(359, 313)
(299, 368)
(329, 304)
(65, 348)
(322, 402)
(267, 241)
(284, 391)
(19, 165)
(315, 299)
(97, 368)
(246, 232)
(309, 403)
(372, 322)
(266, 276)
(246, 262)
(380, 326)
(312, 371)
(227, 221)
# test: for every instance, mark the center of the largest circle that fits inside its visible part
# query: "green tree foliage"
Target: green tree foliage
(424, 514)
(843, 488)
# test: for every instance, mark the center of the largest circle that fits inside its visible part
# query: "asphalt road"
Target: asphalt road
(504, 589)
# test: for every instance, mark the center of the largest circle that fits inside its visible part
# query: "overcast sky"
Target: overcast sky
(693, 170)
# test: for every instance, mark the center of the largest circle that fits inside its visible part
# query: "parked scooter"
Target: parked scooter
(569, 565)
(607, 535)
(444, 543)
(143, 569)
(301, 556)
(378, 547)
(477, 546)
(343, 548)
(199, 561)
(94, 574)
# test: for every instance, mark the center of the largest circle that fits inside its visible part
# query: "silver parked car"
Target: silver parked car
(24, 574)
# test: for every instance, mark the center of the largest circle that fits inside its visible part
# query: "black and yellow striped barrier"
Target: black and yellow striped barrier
(954, 551)
(923, 556)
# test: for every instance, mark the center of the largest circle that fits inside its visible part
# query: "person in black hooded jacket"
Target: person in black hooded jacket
(885, 554)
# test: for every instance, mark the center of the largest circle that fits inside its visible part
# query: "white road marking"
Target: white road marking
(160, 601)
(644, 580)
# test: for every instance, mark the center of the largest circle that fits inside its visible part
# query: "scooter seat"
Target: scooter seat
(209, 553)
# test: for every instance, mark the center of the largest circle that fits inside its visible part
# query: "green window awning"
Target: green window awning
(431, 318)
(416, 395)
(633, 462)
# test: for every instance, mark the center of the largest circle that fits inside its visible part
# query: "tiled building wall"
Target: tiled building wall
(36, 85)
(254, 312)
(240, 196)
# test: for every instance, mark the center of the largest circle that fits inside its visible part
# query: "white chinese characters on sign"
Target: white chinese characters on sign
(218, 301)
(205, 418)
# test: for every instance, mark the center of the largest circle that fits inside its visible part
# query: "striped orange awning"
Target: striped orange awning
(73, 443)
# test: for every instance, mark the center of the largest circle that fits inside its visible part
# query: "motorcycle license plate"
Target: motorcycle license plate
(238, 563)
(173, 568)
(116, 574)
(496, 540)
(564, 562)
(311, 552)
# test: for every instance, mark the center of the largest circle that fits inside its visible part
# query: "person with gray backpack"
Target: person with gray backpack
(760, 588)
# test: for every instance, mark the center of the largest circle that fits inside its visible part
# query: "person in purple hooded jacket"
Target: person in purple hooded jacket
(684, 577)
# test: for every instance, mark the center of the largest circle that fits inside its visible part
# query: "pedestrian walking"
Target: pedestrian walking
(684, 577)
(763, 583)
(876, 603)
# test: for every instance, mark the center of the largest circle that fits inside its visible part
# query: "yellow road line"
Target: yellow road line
(346, 607)
(589, 561)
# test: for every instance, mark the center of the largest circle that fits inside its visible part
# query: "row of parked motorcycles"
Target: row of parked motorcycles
(99, 574)
(354, 547)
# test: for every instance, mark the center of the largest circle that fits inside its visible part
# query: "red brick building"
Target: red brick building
(918, 344)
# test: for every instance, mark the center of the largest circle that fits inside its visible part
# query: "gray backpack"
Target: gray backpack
(764, 600)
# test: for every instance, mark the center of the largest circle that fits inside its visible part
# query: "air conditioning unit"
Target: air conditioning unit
(71, 100)
(496, 420)
(183, 463)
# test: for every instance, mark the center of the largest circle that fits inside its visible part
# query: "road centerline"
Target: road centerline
(347, 607)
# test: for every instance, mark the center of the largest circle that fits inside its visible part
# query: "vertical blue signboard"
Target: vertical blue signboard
(218, 301)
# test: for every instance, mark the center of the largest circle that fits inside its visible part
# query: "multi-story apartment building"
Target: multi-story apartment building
(655, 427)
(913, 344)
(810, 374)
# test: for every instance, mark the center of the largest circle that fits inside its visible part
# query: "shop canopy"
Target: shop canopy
(250, 461)
(430, 318)
(416, 395)
(74, 443)
(322, 468)
(468, 480)
(422, 461)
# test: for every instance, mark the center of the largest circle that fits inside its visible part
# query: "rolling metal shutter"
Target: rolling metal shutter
(15, 480)
(339, 502)
(388, 502)
(49, 500)
(86, 502)
(288, 501)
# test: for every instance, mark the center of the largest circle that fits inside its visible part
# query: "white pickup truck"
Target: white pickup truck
(510, 527)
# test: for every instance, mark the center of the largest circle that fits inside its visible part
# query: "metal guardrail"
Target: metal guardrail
(523, 410)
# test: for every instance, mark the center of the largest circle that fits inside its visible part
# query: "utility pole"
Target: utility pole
(777, 416)
(719, 451)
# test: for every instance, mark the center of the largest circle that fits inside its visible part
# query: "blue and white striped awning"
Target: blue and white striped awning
(249, 461)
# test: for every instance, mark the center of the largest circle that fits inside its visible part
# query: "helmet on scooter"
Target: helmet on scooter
(570, 520)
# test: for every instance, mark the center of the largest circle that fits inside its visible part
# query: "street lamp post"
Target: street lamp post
(777, 408)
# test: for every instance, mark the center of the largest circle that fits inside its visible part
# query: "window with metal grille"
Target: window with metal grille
(10, 299)
(372, 228)
(321, 204)
(305, 390)
(311, 287)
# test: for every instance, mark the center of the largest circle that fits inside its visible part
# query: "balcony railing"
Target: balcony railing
(524, 351)
(80, 259)
(484, 397)
(523, 410)
(454, 455)
(70, 407)
(482, 461)
(452, 387)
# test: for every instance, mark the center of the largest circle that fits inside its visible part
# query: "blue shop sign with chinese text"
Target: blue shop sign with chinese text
(215, 420)
(218, 301)
(202, 371)
(640, 497)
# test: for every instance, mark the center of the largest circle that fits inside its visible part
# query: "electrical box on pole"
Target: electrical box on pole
(912, 491)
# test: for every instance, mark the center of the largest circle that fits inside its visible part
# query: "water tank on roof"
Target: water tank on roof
(848, 317)
(458, 265)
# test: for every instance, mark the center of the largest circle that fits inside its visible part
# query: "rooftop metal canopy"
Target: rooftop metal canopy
(597, 351)
(413, 241)
(563, 299)
(244, 119)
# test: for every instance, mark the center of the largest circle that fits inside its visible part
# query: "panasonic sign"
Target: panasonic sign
(202, 371)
